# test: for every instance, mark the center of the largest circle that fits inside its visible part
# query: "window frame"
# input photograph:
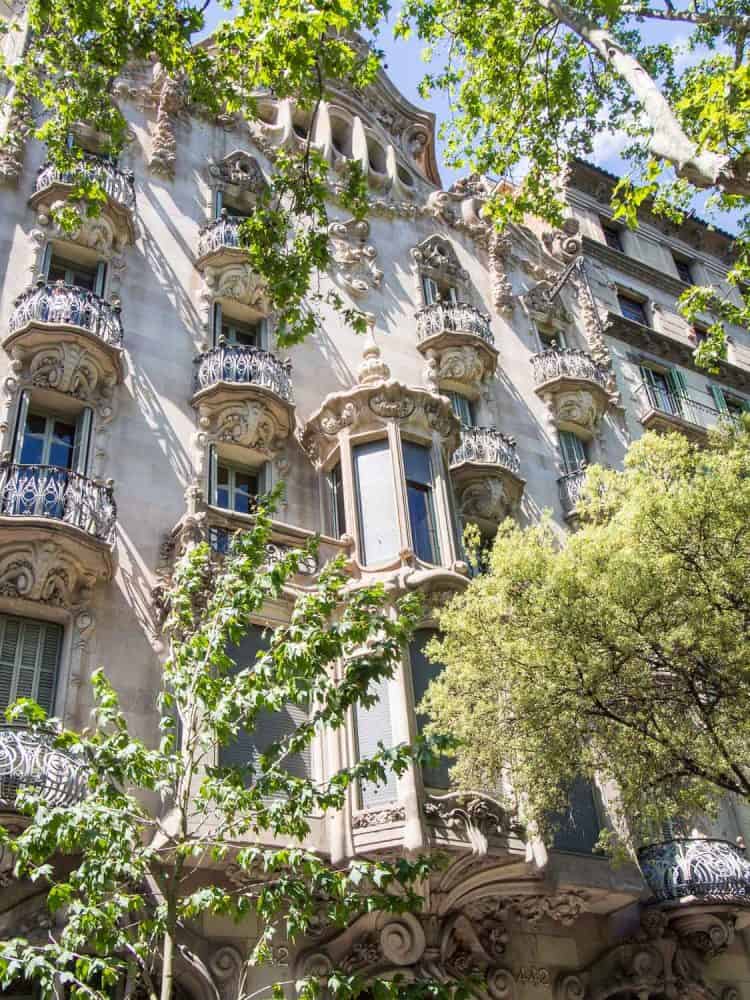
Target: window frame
(427, 489)
(612, 235)
(258, 472)
(642, 307)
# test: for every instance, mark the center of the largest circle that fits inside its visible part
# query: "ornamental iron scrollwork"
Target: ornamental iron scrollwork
(487, 446)
(704, 869)
(570, 487)
(568, 363)
(59, 494)
(220, 233)
(67, 305)
(29, 759)
(245, 365)
(460, 317)
(119, 185)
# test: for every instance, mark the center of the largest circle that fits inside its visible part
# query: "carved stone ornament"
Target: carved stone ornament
(543, 308)
(241, 174)
(17, 128)
(436, 258)
(255, 422)
(71, 368)
(235, 279)
(500, 246)
(563, 907)
(485, 500)
(565, 243)
(379, 817)
(59, 570)
(471, 818)
(171, 103)
(354, 258)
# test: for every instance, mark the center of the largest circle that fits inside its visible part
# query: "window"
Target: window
(699, 334)
(729, 404)
(376, 501)
(612, 236)
(29, 660)
(682, 264)
(419, 491)
(224, 204)
(269, 726)
(373, 727)
(552, 340)
(235, 332)
(632, 309)
(336, 502)
(422, 672)
(577, 829)
(665, 389)
(462, 407)
(237, 489)
(89, 276)
(435, 292)
(573, 451)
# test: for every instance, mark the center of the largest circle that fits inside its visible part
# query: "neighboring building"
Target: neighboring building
(145, 405)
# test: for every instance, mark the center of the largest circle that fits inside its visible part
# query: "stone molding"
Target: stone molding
(353, 257)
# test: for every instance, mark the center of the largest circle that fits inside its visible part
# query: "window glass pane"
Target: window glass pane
(373, 727)
(246, 482)
(242, 334)
(632, 309)
(35, 424)
(222, 497)
(422, 672)
(422, 527)
(32, 451)
(222, 474)
(378, 519)
(573, 451)
(683, 270)
(612, 237)
(462, 408)
(417, 463)
(336, 502)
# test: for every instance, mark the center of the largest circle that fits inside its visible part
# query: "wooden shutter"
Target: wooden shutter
(719, 400)
(422, 672)
(218, 202)
(577, 829)
(572, 450)
(211, 477)
(29, 659)
(82, 443)
(373, 727)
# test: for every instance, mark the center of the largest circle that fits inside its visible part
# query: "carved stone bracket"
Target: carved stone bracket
(354, 257)
(470, 818)
(50, 565)
(565, 243)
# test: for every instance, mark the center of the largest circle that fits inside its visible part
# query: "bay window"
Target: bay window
(421, 501)
(376, 502)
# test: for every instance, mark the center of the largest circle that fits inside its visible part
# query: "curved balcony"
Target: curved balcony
(485, 469)
(695, 870)
(219, 241)
(570, 487)
(457, 341)
(244, 396)
(29, 759)
(574, 387)
(49, 315)
(53, 184)
(49, 492)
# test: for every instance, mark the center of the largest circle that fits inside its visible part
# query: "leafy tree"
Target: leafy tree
(135, 860)
(531, 82)
(620, 653)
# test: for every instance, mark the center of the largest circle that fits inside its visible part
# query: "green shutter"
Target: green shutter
(29, 659)
(719, 400)
(677, 382)
(373, 727)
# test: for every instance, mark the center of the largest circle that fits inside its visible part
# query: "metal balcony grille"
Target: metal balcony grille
(460, 317)
(570, 486)
(67, 305)
(486, 446)
(117, 184)
(219, 233)
(29, 760)
(246, 365)
(652, 398)
(710, 869)
(556, 363)
(58, 494)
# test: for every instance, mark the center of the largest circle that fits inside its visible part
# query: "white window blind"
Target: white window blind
(376, 499)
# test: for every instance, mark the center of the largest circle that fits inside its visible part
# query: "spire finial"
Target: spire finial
(373, 368)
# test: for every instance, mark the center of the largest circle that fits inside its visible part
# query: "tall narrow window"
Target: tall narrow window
(269, 726)
(684, 271)
(337, 518)
(462, 407)
(665, 389)
(29, 660)
(235, 332)
(48, 448)
(420, 495)
(373, 727)
(92, 277)
(237, 489)
(422, 672)
(612, 236)
(632, 309)
(376, 501)
(573, 451)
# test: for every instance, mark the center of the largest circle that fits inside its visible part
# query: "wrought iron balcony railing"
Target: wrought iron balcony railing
(556, 363)
(67, 305)
(119, 185)
(30, 760)
(220, 233)
(486, 446)
(570, 486)
(444, 317)
(245, 365)
(58, 494)
(653, 398)
(705, 869)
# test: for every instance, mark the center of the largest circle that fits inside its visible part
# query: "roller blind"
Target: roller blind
(29, 660)
(376, 499)
(373, 727)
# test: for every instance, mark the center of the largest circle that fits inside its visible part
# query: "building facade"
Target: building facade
(145, 403)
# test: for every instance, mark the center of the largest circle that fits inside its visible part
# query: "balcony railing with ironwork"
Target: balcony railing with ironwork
(58, 304)
(678, 405)
(459, 317)
(570, 486)
(566, 363)
(486, 446)
(59, 494)
(220, 233)
(29, 759)
(244, 365)
(119, 185)
(220, 540)
(704, 869)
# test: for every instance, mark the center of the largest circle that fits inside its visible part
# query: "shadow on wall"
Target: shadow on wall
(149, 402)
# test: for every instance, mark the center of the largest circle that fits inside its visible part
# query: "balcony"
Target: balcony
(682, 870)
(54, 185)
(662, 410)
(574, 387)
(47, 319)
(30, 760)
(45, 491)
(244, 395)
(457, 341)
(570, 486)
(219, 241)
(486, 476)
